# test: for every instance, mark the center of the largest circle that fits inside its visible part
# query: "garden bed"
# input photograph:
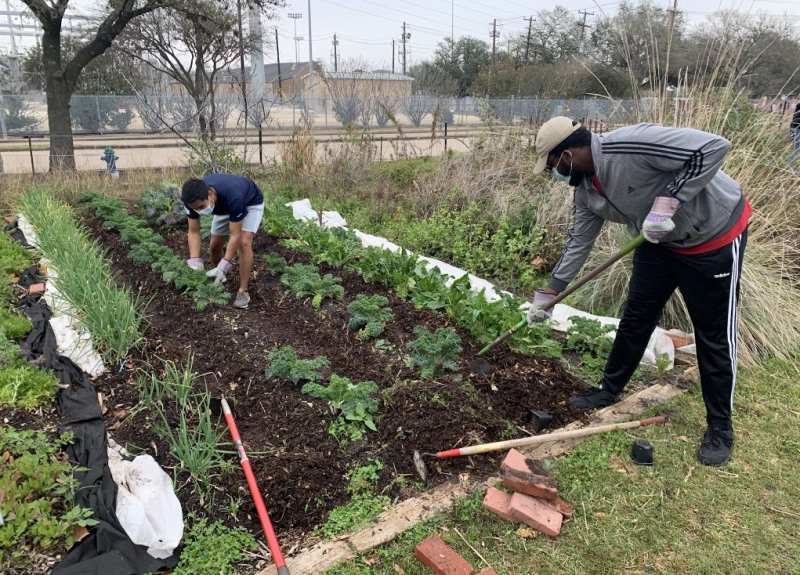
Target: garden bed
(305, 474)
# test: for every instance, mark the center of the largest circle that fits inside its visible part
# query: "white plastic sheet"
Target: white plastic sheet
(147, 507)
(73, 340)
(658, 346)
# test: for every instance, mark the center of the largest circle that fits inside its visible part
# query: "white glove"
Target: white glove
(196, 264)
(535, 313)
(658, 222)
(219, 272)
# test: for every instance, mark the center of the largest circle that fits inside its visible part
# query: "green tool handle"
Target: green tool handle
(629, 247)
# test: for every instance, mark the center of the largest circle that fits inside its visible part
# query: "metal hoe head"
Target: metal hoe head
(420, 467)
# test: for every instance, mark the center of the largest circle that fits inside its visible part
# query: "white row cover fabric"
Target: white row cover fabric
(659, 345)
(72, 338)
(147, 507)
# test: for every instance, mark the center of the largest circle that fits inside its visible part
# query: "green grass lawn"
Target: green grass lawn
(676, 517)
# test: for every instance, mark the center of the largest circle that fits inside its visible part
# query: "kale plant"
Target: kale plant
(587, 335)
(369, 315)
(430, 351)
(304, 281)
(285, 364)
(164, 205)
(275, 263)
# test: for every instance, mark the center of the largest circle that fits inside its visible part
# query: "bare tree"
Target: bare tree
(61, 74)
(350, 90)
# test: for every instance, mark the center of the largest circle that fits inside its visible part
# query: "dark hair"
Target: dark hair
(194, 189)
(580, 138)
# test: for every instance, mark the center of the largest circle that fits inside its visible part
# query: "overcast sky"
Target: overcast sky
(365, 28)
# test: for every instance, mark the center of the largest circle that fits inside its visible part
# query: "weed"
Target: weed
(274, 263)
(14, 326)
(214, 549)
(363, 506)
(432, 351)
(285, 364)
(26, 386)
(13, 257)
(38, 486)
(370, 314)
(304, 281)
(351, 400)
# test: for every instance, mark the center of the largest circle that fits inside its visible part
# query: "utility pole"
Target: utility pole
(296, 16)
(278, 52)
(392, 56)
(528, 41)
(335, 54)
(406, 36)
(495, 35)
(310, 59)
(584, 26)
(257, 54)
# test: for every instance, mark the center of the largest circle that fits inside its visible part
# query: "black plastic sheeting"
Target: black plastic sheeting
(107, 550)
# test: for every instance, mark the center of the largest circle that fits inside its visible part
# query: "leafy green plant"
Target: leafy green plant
(304, 281)
(163, 205)
(13, 257)
(432, 351)
(26, 386)
(38, 488)
(285, 364)
(363, 506)
(587, 335)
(351, 400)
(214, 549)
(369, 315)
(10, 352)
(274, 263)
(13, 325)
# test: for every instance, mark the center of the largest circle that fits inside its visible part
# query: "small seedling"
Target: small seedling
(285, 364)
(369, 314)
(275, 263)
(431, 351)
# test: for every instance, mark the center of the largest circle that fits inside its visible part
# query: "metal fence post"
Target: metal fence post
(97, 107)
(260, 145)
(30, 149)
(3, 116)
(445, 137)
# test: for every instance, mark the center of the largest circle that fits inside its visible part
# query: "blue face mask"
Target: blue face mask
(206, 211)
(559, 177)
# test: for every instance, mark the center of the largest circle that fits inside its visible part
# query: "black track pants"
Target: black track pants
(709, 284)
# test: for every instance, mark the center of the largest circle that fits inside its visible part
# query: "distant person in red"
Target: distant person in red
(237, 206)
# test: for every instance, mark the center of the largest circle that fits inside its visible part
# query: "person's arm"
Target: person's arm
(233, 241)
(585, 229)
(195, 241)
(694, 156)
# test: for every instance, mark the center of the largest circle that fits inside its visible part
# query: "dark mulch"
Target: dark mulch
(306, 474)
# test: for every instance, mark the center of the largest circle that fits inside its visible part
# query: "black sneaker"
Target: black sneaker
(716, 447)
(595, 398)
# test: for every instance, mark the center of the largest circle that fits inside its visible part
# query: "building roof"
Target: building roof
(288, 71)
(377, 75)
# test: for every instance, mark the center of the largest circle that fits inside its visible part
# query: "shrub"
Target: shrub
(38, 487)
(214, 549)
(431, 351)
(370, 314)
(285, 364)
(351, 400)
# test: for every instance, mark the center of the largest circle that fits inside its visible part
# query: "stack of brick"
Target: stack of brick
(535, 500)
(442, 560)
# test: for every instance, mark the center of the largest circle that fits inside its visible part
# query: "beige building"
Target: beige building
(357, 84)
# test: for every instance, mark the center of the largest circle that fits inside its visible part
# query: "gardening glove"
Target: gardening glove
(219, 272)
(196, 264)
(658, 222)
(535, 313)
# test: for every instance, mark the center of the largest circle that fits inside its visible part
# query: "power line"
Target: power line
(440, 12)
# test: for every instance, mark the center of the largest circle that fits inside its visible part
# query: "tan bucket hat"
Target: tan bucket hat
(551, 134)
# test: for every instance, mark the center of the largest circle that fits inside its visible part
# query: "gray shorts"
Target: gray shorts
(220, 226)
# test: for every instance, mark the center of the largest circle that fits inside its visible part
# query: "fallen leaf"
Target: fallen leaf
(400, 570)
(527, 533)
(683, 438)
(598, 514)
(78, 533)
(538, 262)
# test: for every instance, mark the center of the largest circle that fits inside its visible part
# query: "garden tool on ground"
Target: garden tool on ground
(629, 247)
(272, 540)
(422, 470)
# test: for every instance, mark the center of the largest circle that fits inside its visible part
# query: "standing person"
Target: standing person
(111, 162)
(794, 133)
(667, 184)
(237, 205)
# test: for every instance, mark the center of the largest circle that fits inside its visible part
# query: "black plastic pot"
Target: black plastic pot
(642, 452)
(540, 420)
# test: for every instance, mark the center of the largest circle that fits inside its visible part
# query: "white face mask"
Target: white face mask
(206, 211)
(556, 173)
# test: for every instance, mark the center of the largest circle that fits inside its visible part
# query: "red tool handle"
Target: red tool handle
(255, 492)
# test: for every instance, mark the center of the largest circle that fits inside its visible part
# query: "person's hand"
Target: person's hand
(658, 222)
(196, 264)
(219, 272)
(535, 313)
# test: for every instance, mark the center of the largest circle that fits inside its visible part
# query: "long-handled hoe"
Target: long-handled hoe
(272, 540)
(629, 247)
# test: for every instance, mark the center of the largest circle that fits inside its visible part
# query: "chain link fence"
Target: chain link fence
(25, 115)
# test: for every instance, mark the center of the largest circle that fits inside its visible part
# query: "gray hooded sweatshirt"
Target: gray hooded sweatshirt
(636, 164)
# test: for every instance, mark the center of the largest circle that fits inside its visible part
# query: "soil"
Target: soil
(305, 474)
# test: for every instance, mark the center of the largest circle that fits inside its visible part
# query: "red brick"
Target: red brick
(536, 514)
(488, 572)
(518, 462)
(530, 484)
(37, 289)
(562, 507)
(9, 219)
(498, 502)
(439, 558)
